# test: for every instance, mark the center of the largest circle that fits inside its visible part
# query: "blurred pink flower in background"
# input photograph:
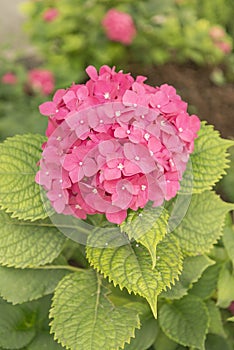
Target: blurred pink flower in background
(231, 307)
(219, 38)
(9, 78)
(50, 14)
(119, 26)
(224, 46)
(41, 80)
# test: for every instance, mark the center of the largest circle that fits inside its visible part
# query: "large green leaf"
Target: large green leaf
(216, 342)
(130, 266)
(17, 328)
(148, 228)
(26, 244)
(185, 321)
(164, 343)
(193, 268)
(209, 161)
(202, 225)
(84, 315)
(18, 286)
(19, 194)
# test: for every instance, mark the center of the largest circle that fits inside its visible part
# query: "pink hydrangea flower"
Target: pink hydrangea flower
(114, 144)
(41, 80)
(119, 26)
(9, 79)
(50, 14)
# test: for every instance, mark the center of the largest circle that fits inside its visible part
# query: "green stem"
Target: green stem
(59, 267)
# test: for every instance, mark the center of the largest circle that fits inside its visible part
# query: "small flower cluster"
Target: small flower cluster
(114, 144)
(219, 38)
(37, 80)
(119, 26)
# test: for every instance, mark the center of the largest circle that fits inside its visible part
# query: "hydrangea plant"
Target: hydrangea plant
(111, 224)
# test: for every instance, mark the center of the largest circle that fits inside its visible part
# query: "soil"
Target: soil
(209, 101)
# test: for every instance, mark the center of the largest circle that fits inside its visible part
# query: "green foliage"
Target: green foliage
(192, 270)
(28, 244)
(187, 274)
(194, 233)
(185, 321)
(21, 285)
(130, 266)
(148, 228)
(20, 194)
(209, 161)
(100, 325)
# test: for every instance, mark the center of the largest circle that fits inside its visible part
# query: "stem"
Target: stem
(59, 267)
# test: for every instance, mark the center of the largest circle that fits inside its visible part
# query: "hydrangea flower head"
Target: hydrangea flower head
(50, 14)
(119, 26)
(41, 80)
(114, 144)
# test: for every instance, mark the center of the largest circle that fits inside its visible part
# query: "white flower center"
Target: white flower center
(137, 158)
(180, 129)
(106, 95)
(147, 136)
(120, 166)
(143, 187)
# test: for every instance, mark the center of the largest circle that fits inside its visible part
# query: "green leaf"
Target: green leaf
(18, 286)
(209, 161)
(193, 268)
(147, 228)
(225, 288)
(83, 314)
(228, 240)
(185, 321)
(202, 225)
(205, 287)
(215, 342)
(231, 319)
(19, 194)
(130, 266)
(44, 341)
(28, 244)
(164, 343)
(144, 337)
(216, 325)
(16, 327)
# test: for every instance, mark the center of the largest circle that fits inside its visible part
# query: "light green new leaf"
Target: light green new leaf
(185, 321)
(193, 268)
(16, 328)
(28, 244)
(19, 194)
(225, 288)
(18, 286)
(202, 225)
(209, 161)
(231, 319)
(83, 315)
(130, 266)
(145, 336)
(148, 228)
(216, 324)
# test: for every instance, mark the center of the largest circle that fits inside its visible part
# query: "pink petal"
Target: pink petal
(48, 108)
